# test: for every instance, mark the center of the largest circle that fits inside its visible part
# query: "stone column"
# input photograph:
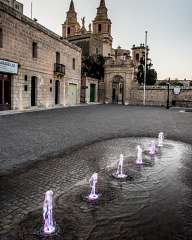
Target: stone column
(108, 89)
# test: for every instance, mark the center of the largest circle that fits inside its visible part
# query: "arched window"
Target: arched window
(137, 56)
(99, 28)
(68, 30)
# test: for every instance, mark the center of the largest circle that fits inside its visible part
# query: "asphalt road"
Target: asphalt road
(34, 136)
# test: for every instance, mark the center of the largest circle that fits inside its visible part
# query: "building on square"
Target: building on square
(120, 66)
(38, 68)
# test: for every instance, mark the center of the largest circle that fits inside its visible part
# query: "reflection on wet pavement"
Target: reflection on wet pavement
(154, 202)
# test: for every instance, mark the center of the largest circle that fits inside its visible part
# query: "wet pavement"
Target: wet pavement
(60, 138)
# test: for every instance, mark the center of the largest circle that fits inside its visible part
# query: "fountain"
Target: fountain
(119, 173)
(152, 148)
(49, 226)
(160, 139)
(92, 181)
(139, 155)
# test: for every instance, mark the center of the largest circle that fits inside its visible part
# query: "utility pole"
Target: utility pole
(168, 85)
(31, 10)
(145, 72)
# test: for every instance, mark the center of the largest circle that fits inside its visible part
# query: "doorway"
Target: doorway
(57, 90)
(72, 94)
(33, 91)
(92, 92)
(5, 92)
(117, 91)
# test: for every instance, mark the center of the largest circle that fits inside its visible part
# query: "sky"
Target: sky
(168, 22)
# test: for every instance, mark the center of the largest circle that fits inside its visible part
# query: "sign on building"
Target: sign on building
(176, 90)
(8, 67)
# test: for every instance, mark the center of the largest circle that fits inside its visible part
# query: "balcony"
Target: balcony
(59, 69)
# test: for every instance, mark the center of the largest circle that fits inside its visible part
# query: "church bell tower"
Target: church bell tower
(71, 26)
(102, 28)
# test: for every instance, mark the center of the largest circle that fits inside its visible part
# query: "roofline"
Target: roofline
(21, 17)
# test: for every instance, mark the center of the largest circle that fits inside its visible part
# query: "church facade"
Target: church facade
(120, 66)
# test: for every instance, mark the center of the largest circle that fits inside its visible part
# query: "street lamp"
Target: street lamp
(168, 84)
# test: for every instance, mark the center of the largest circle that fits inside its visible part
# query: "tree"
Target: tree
(176, 82)
(93, 66)
(151, 74)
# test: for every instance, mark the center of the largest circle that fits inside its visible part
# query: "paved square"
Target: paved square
(32, 144)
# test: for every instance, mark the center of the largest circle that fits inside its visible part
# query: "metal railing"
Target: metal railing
(59, 68)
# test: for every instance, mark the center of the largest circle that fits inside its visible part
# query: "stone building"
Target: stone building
(14, 4)
(121, 74)
(97, 39)
(38, 68)
(120, 67)
(119, 85)
(119, 77)
(89, 90)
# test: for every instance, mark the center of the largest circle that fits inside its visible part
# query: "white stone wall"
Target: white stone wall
(157, 96)
(126, 72)
(19, 32)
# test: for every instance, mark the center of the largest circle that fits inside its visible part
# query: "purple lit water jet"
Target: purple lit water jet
(152, 148)
(160, 139)
(139, 155)
(49, 226)
(119, 173)
(92, 181)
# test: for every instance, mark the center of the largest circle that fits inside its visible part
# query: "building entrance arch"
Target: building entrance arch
(117, 90)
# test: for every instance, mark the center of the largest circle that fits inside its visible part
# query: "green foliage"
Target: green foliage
(151, 76)
(176, 83)
(162, 83)
(93, 66)
(172, 82)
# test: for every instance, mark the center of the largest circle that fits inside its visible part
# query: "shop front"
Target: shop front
(7, 70)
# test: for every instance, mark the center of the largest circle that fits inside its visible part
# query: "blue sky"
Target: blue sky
(168, 22)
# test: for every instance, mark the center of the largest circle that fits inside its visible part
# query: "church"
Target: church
(120, 66)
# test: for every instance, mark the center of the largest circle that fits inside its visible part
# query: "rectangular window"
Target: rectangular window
(137, 56)
(34, 52)
(58, 57)
(99, 28)
(1, 37)
(73, 63)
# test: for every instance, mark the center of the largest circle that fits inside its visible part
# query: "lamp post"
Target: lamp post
(31, 10)
(168, 84)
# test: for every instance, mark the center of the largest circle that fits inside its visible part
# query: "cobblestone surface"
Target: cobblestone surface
(31, 145)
